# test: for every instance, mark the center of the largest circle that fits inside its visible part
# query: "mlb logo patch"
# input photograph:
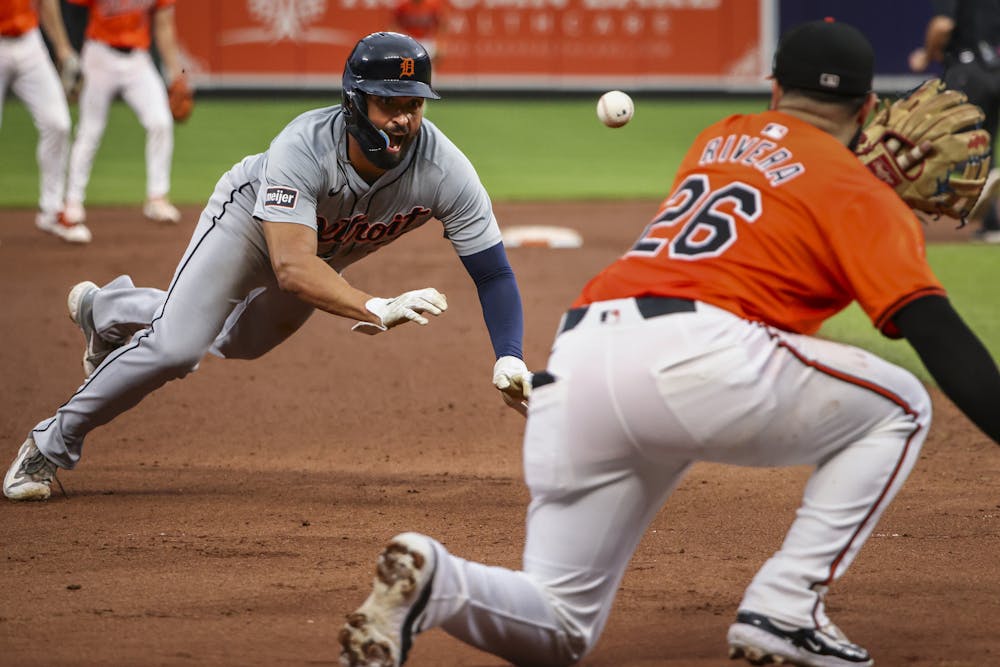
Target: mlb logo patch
(283, 197)
(829, 80)
(774, 131)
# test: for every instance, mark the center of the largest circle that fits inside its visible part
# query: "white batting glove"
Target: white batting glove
(404, 308)
(513, 379)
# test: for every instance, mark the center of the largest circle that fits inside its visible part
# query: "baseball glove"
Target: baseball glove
(181, 99)
(929, 147)
(71, 77)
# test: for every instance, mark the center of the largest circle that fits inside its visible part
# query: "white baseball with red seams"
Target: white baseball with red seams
(615, 108)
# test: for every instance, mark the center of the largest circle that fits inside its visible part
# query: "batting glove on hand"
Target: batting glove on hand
(513, 379)
(403, 308)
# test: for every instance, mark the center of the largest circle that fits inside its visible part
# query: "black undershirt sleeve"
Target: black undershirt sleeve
(956, 359)
(499, 297)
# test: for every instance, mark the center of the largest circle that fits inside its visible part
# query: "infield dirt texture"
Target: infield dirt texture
(233, 517)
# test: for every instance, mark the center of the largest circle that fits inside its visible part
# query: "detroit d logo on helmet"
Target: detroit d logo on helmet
(406, 67)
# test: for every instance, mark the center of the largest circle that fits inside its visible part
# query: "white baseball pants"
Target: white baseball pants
(634, 403)
(108, 73)
(25, 66)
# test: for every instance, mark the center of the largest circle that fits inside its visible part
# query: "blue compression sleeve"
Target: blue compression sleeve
(500, 299)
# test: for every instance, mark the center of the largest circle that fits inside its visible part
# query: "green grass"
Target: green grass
(559, 150)
(970, 273)
(523, 150)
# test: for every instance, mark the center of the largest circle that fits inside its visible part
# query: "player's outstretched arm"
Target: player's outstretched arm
(292, 248)
(501, 301)
(299, 271)
(956, 358)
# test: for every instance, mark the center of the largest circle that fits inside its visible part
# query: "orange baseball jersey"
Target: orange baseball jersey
(776, 221)
(17, 17)
(121, 23)
(418, 18)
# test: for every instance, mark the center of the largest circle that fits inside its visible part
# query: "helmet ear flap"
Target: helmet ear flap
(355, 103)
(372, 140)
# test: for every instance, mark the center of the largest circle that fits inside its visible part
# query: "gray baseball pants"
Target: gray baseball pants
(222, 299)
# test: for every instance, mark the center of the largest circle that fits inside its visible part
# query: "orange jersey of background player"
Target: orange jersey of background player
(418, 18)
(17, 17)
(122, 23)
(776, 221)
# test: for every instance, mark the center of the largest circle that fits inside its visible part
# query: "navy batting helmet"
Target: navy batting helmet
(386, 64)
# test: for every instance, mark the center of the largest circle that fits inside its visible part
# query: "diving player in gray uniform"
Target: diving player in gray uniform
(335, 185)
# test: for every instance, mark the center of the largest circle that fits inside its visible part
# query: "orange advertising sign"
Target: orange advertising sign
(546, 44)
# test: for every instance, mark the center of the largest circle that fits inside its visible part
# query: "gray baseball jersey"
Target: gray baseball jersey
(306, 178)
(224, 297)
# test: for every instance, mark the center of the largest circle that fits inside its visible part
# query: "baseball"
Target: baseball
(615, 108)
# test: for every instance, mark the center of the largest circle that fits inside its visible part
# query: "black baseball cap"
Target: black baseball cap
(825, 56)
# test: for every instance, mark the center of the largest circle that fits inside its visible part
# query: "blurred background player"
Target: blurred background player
(964, 35)
(421, 20)
(116, 61)
(25, 66)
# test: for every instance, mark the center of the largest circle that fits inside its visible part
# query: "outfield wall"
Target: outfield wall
(529, 45)
(490, 44)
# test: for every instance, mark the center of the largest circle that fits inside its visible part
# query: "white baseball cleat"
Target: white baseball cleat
(56, 223)
(73, 213)
(986, 236)
(380, 632)
(762, 640)
(30, 475)
(159, 209)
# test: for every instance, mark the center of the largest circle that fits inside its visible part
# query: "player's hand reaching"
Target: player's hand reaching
(513, 379)
(406, 307)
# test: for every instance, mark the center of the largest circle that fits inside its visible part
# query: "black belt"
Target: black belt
(122, 49)
(13, 35)
(648, 306)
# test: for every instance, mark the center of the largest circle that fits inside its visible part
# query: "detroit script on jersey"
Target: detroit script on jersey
(358, 230)
(776, 221)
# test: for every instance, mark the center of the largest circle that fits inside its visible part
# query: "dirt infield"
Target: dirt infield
(232, 518)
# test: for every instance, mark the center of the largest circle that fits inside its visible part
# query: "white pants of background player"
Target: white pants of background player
(222, 299)
(635, 403)
(108, 73)
(25, 66)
